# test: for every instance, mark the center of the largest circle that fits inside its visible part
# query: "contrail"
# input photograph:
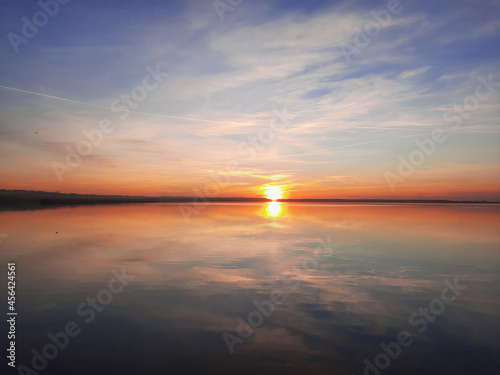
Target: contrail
(293, 130)
(108, 108)
(338, 147)
(173, 117)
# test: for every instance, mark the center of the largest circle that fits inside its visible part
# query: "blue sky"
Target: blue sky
(349, 119)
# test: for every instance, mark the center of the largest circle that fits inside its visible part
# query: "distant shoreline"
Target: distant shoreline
(20, 198)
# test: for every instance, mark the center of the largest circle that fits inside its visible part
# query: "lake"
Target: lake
(268, 288)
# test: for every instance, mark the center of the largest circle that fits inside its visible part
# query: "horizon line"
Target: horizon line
(48, 197)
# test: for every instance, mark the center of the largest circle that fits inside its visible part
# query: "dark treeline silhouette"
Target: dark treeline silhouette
(41, 199)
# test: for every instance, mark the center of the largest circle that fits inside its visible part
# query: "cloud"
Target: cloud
(412, 73)
(226, 79)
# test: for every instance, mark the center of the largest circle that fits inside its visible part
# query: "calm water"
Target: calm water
(322, 287)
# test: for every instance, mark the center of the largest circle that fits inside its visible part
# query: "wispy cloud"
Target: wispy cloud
(226, 79)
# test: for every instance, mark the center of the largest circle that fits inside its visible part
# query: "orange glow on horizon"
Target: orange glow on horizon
(482, 187)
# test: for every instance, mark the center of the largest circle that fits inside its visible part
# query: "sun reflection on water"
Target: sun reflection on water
(274, 209)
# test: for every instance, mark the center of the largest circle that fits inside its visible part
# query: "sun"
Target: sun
(273, 192)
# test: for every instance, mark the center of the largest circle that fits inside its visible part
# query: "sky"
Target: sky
(325, 99)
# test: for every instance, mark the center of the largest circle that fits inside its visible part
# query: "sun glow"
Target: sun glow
(273, 192)
(274, 209)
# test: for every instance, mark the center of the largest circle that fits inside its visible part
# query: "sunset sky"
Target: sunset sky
(283, 93)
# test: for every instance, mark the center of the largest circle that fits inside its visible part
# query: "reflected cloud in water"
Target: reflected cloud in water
(194, 280)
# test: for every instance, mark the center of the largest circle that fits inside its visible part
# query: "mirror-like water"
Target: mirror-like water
(256, 288)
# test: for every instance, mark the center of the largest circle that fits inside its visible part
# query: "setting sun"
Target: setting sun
(273, 192)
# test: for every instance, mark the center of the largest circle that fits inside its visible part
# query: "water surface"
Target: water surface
(333, 283)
